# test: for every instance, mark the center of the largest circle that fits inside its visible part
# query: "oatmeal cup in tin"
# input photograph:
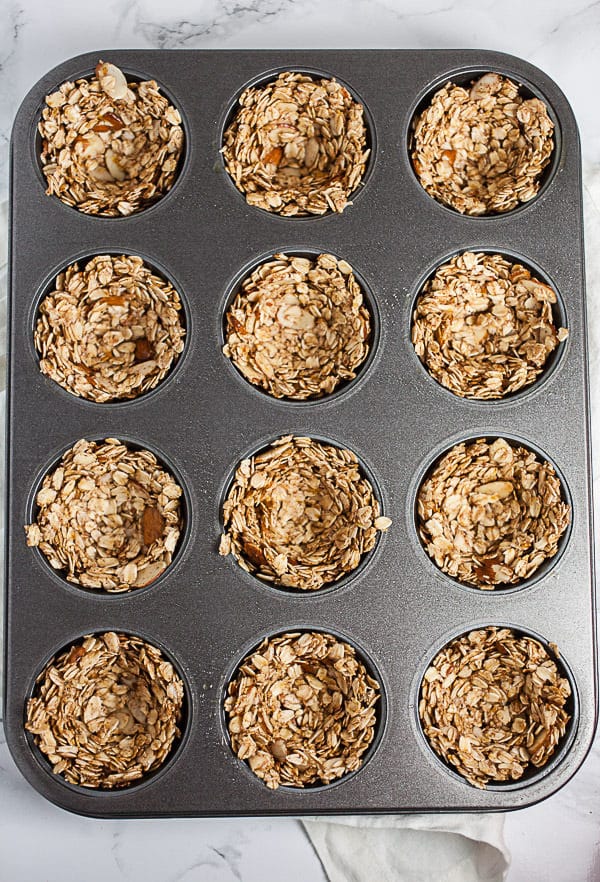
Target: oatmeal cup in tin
(110, 330)
(491, 513)
(483, 326)
(109, 147)
(482, 148)
(106, 711)
(301, 710)
(108, 516)
(495, 706)
(297, 145)
(299, 514)
(299, 326)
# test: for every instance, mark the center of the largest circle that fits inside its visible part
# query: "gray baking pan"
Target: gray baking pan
(205, 612)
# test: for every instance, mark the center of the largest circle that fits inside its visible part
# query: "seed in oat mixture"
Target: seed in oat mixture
(483, 326)
(300, 514)
(297, 145)
(491, 513)
(301, 709)
(298, 327)
(482, 149)
(111, 330)
(109, 147)
(106, 711)
(108, 516)
(493, 704)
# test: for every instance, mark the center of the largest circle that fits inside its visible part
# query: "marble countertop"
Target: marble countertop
(558, 839)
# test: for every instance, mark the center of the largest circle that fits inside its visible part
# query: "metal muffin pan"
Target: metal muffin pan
(205, 612)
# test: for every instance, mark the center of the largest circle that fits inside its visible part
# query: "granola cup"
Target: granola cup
(300, 514)
(109, 147)
(482, 149)
(108, 517)
(493, 705)
(109, 331)
(491, 513)
(483, 326)
(106, 711)
(297, 145)
(301, 710)
(298, 328)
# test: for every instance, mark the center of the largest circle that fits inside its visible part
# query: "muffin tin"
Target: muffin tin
(205, 612)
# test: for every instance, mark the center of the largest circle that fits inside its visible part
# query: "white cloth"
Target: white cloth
(411, 848)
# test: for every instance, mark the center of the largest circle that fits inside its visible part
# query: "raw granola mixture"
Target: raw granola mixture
(491, 513)
(109, 147)
(297, 145)
(483, 326)
(493, 705)
(298, 327)
(108, 516)
(106, 711)
(299, 514)
(301, 709)
(111, 330)
(482, 149)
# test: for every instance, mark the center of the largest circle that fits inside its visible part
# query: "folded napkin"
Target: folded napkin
(411, 848)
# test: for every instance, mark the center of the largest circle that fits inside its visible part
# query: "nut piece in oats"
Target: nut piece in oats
(108, 516)
(300, 514)
(301, 710)
(298, 327)
(483, 326)
(482, 150)
(490, 513)
(297, 145)
(111, 330)
(492, 705)
(109, 147)
(106, 711)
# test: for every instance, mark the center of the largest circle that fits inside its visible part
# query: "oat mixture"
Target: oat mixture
(111, 330)
(483, 326)
(298, 326)
(482, 149)
(109, 147)
(493, 705)
(299, 514)
(301, 710)
(489, 514)
(297, 146)
(108, 517)
(106, 711)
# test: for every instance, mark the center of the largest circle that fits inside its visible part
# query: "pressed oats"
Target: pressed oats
(108, 517)
(300, 514)
(111, 330)
(109, 147)
(482, 149)
(483, 326)
(297, 145)
(298, 326)
(492, 705)
(490, 514)
(301, 709)
(106, 711)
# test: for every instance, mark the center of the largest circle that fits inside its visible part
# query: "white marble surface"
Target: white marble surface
(558, 839)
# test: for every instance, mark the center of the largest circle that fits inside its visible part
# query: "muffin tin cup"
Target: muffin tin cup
(150, 777)
(380, 707)
(559, 317)
(206, 611)
(532, 773)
